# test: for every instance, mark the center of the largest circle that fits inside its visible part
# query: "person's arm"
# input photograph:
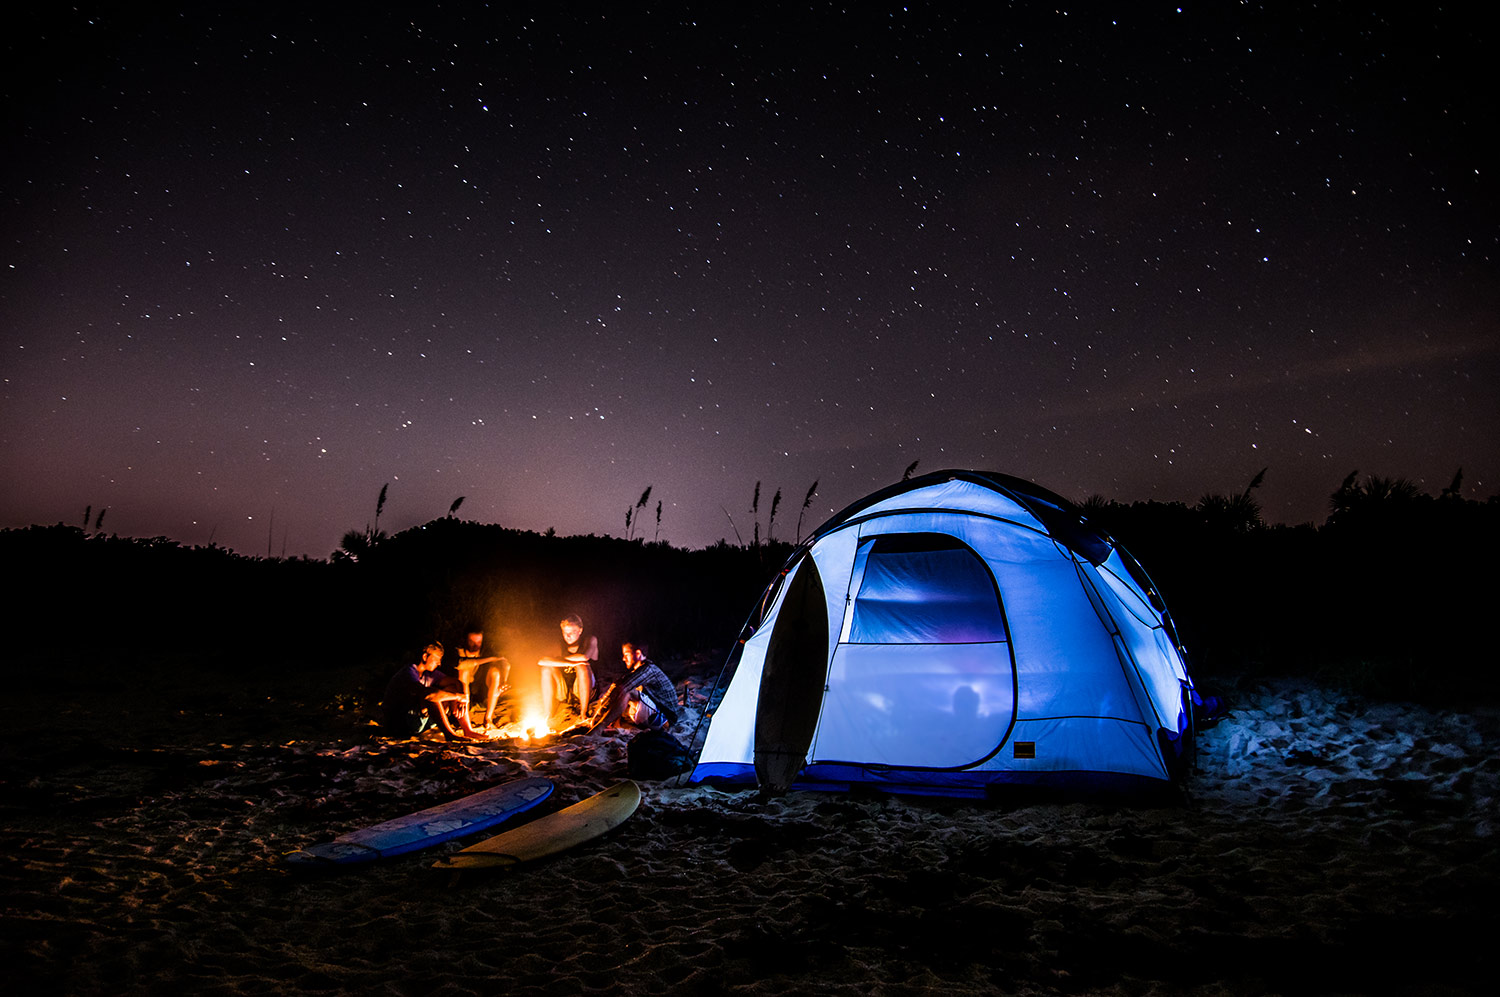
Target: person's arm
(469, 667)
(468, 664)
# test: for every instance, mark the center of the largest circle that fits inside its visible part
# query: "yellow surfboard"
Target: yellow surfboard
(551, 834)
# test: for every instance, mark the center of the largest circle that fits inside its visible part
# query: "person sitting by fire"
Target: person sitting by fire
(417, 697)
(643, 696)
(491, 671)
(571, 669)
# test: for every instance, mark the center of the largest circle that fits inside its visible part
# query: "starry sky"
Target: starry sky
(261, 261)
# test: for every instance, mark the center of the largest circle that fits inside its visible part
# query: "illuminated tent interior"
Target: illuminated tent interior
(979, 633)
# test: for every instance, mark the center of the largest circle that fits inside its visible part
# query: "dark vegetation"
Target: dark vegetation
(123, 602)
(1389, 596)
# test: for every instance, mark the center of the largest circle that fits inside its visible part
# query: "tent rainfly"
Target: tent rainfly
(949, 634)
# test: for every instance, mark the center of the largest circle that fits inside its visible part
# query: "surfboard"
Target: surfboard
(551, 834)
(791, 681)
(427, 827)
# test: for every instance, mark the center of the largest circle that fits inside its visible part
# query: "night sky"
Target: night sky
(260, 262)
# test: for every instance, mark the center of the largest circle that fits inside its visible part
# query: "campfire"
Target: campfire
(532, 725)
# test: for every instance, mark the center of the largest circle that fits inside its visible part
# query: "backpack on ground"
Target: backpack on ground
(655, 754)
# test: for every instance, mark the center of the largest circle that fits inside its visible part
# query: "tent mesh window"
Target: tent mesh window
(925, 588)
(924, 677)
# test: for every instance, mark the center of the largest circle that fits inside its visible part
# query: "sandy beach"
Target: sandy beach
(1329, 845)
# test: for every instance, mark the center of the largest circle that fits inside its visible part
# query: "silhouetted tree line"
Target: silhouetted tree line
(1390, 595)
(440, 577)
(116, 601)
(112, 602)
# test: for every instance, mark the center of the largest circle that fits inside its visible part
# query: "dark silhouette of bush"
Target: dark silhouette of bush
(1386, 597)
(108, 603)
(112, 601)
(435, 578)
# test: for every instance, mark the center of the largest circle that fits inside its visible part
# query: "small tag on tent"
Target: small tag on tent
(1025, 749)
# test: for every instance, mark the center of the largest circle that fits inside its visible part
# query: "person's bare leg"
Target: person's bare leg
(496, 681)
(466, 670)
(440, 711)
(491, 693)
(584, 685)
(549, 691)
(463, 719)
(560, 690)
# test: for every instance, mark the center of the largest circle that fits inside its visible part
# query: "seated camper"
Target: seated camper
(643, 696)
(571, 670)
(490, 672)
(417, 698)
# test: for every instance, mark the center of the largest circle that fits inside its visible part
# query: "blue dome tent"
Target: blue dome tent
(948, 634)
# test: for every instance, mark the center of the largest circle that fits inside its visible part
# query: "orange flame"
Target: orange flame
(532, 725)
